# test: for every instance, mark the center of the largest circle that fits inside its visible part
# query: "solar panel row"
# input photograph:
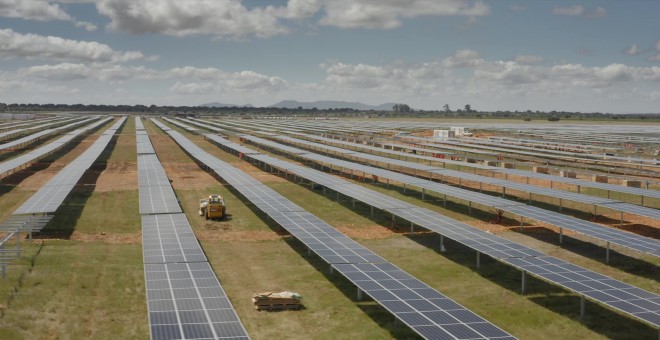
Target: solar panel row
(184, 297)
(409, 299)
(50, 196)
(642, 304)
(603, 186)
(26, 158)
(614, 236)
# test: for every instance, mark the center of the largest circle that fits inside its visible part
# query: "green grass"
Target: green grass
(80, 291)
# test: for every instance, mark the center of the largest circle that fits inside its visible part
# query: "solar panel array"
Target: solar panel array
(621, 296)
(184, 297)
(50, 196)
(522, 173)
(26, 158)
(156, 193)
(181, 125)
(614, 236)
(36, 127)
(577, 182)
(40, 134)
(410, 300)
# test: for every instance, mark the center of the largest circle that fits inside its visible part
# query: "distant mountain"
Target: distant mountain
(332, 104)
(217, 104)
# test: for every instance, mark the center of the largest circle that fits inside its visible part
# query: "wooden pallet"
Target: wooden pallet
(277, 306)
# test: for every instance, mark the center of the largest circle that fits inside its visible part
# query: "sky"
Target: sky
(586, 56)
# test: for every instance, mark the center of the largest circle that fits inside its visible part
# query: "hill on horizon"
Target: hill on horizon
(332, 104)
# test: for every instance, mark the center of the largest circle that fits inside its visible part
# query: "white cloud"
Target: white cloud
(579, 10)
(86, 25)
(463, 58)
(633, 50)
(33, 46)
(296, 9)
(219, 18)
(189, 79)
(570, 11)
(487, 77)
(388, 14)
(38, 10)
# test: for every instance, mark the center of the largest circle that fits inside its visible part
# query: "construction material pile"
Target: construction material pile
(277, 301)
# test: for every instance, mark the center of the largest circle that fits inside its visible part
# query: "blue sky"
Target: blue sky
(588, 56)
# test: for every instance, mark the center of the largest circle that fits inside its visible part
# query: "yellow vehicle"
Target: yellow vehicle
(212, 207)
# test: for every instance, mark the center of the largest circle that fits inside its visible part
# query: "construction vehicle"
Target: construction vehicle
(212, 207)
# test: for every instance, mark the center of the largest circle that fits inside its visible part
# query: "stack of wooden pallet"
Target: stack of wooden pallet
(277, 301)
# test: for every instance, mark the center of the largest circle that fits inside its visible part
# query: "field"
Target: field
(83, 278)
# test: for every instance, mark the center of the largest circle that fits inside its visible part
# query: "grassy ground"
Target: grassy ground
(85, 279)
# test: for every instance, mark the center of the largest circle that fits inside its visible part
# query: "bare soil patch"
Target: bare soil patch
(188, 176)
(134, 238)
(118, 176)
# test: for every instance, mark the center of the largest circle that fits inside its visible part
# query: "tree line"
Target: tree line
(398, 110)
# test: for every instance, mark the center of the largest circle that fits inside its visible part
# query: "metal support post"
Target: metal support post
(359, 294)
(478, 260)
(581, 307)
(523, 288)
(18, 244)
(607, 253)
(561, 235)
(442, 244)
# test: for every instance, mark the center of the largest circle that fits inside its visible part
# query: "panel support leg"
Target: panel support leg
(478, 260)
(442, 244)
(581, 307)
(607, 253)
(561, 235)
(359, 294)
(523, 287)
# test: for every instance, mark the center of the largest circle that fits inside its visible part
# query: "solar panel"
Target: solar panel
(158, 200)
(616, 294)
(181, 125)
(622, 238)
(138, 124)
(168, 238)
(337, 249)
(38, 135)
(184, 297)
(428, 312)
(151, 172)
(508, 252)
(49, 197)
(186, 301)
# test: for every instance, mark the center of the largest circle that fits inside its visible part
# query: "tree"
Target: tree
(468, 108)
(446, 108)
(404, 108)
